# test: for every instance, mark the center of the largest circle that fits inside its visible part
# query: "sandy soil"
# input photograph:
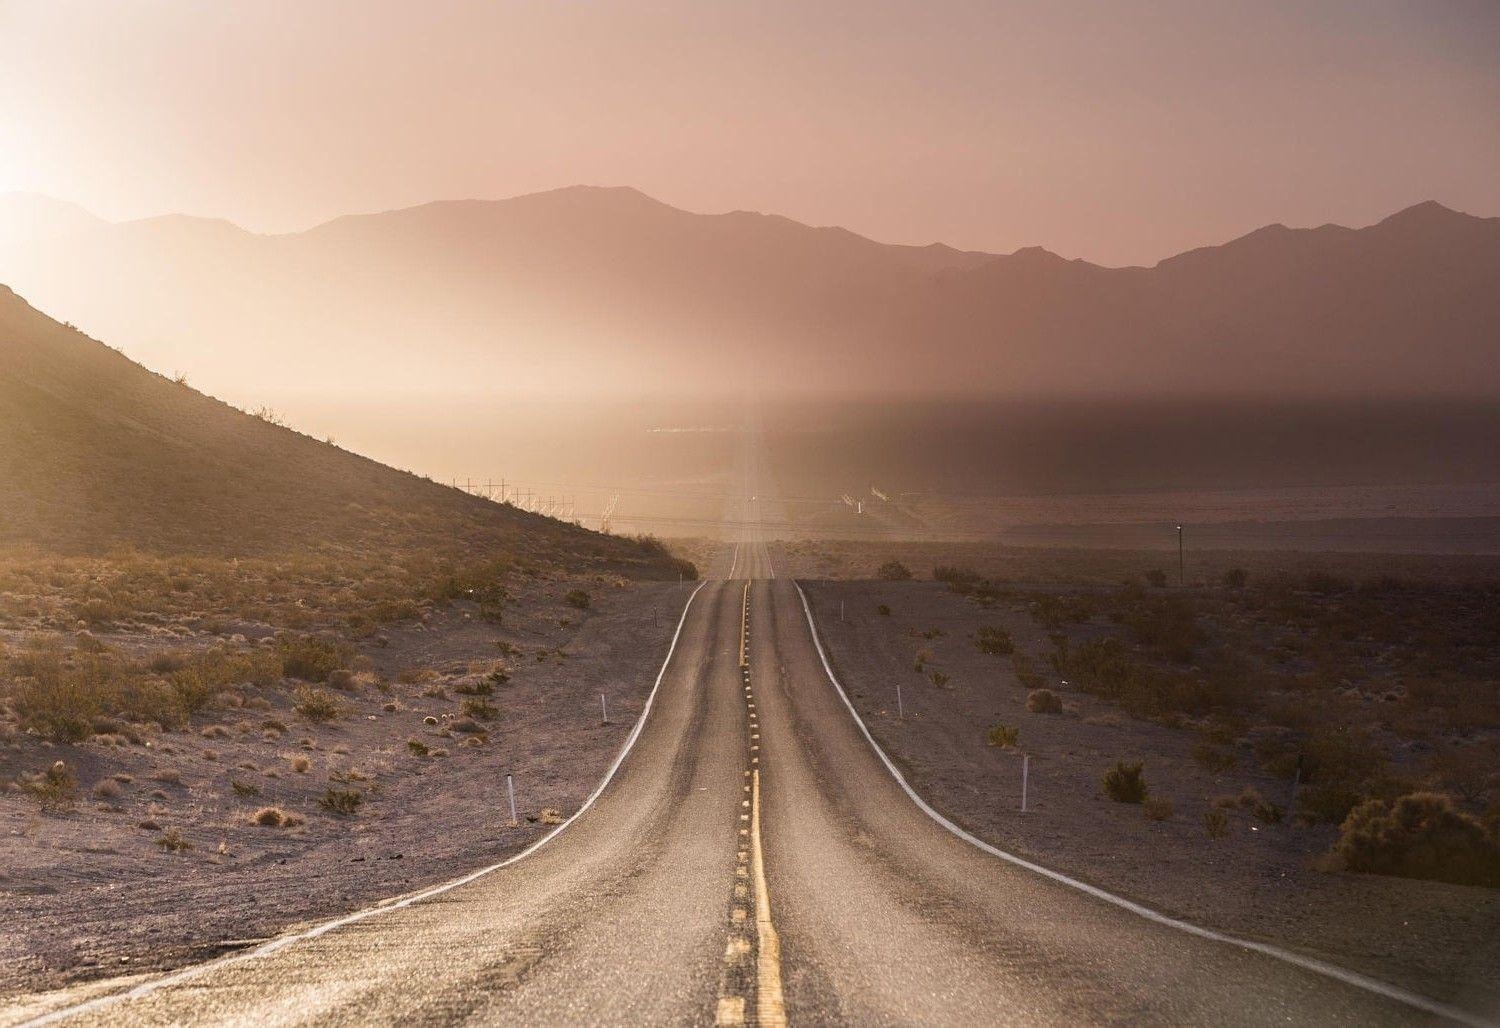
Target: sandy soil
(1258, 881)
(92, 892)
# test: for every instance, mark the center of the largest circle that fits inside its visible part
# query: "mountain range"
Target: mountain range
(591, 290)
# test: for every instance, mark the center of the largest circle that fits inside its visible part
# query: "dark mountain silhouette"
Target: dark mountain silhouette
(99, 454)
(609, 290)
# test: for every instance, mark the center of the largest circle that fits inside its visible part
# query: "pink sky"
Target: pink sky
(1114, 131)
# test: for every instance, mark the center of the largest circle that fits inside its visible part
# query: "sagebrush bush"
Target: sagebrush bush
(1125, 783)
(893, 571)
(1420, 835)
(480, 709)
(1216, 822)
(312, 658)
(317, 706)
(578, 598)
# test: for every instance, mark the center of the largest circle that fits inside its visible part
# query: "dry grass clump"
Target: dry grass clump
(300, 764)
(173, 841)
(1125, 783)
(994, 640)
(341, 801)
(1044, 701)
(1420, 835)
(1216, 822)
(275, 817)
(55, 790)
(417, 747)
(1003, 735)
(479, 709)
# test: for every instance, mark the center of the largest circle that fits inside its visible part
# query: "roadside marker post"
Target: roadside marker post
(604, 705)
(1025, 778)
(510, 787)
(900, 707)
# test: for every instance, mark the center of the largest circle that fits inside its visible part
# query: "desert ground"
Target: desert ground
(1225, 837)
(161, 846)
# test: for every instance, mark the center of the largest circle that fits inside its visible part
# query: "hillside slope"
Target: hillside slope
(610, 290)
(98, 453)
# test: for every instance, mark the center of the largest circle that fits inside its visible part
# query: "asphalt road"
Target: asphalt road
(751, 861)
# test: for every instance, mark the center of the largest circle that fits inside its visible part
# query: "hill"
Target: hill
(608, 290)
(99, 454)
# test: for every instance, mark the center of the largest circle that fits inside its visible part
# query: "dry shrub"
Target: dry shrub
(417, 747)
(1420, 835)
(479, 709)
(1044, 701)
(1003, 735)
(274, 817)
(317, 705)
(55, 789)
(341, 801)
(1125, 783)
(173, 841)
(301, 764)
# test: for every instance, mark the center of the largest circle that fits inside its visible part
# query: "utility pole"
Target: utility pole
(1181, 563)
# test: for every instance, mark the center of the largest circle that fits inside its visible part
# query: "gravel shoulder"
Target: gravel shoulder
(1259, 881)
(93, 892)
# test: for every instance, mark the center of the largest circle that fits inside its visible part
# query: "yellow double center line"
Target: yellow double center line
(770, 1008)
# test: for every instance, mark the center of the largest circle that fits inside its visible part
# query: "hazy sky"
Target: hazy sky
(1116, 131)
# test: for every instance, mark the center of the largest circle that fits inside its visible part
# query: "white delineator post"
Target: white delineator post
(604, 706)
(1025, 778)
(510, 787)
(900, 707)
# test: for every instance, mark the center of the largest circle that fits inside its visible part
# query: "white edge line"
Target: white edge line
(1392, 992)
(189, 973)
(735, 562)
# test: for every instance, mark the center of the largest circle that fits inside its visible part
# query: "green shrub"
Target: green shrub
(995, 640)
(1044, 701)
(578, 598)
(1003, 735)
(1125, 783)
(1420, 835)
(417, 747)
(893, 571)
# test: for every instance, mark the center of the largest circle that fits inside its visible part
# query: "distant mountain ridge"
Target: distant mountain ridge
(607, 289)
